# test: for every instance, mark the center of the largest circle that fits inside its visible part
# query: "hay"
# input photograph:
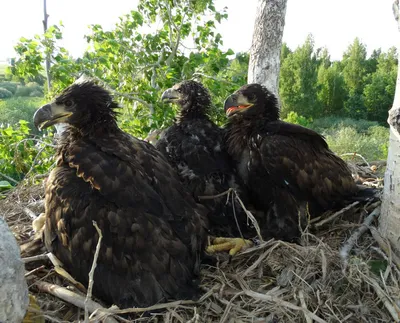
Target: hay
(272, 282)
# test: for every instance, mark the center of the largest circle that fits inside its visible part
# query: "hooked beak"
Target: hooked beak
(170, 95)
(50, 114)
(236, 103)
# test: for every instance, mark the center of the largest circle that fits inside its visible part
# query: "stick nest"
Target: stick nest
(272, 282)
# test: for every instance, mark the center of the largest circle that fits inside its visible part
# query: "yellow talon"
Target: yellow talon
(233, 245)
(34, 313)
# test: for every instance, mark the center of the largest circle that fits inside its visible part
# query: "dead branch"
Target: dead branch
(358, 155)
(34, 271)
(35, 258)
(212, 78)
(333, 216)
(345, 250)
(71, 297)
(91, 273)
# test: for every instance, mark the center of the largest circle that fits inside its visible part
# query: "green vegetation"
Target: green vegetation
(345, 100)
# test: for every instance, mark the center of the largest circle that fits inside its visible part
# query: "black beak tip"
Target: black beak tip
(41, 115)
(229, 102)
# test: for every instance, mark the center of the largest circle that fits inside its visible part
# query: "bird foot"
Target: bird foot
(233, 245)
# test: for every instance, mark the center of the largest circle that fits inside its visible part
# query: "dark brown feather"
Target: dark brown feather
(153, 231)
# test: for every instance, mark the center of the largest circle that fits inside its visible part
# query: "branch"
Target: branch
(178, 39)
(9, 178)
(358, 155)
(345, 250)
(91, 273)
(71, 297)
(213, 78)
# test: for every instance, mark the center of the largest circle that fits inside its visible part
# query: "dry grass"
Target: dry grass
(273, 282)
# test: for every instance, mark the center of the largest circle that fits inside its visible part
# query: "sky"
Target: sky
(333, 23)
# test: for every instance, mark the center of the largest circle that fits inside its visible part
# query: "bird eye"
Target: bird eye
(179, 90)
(68, 103)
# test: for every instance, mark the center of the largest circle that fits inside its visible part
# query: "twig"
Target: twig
(35, 258)
(392, 308)
(212, 78)
(91, 273)
(71, 297)
(384, 246)
(334, 215)
(345, 250)
(211, 197)
(304, 306)
(9, 178)
(29, 273)
(358, 155)
(284, 303)
(29, 213)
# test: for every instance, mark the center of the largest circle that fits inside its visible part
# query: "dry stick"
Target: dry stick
(334, 215)
(304, 306)
(384, 246)
(358, 155)
(91, 273)
(35, 258)
(279, 301)
(29, 213)
(34, 271)
(70, 297)
(345, 250)
(392, 308)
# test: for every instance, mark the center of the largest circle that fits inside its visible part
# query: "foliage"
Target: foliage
(14, 109)
(19, 149)
(298, 78)
(372, 145)
(10, 86)
(293, 117)
(5, 94)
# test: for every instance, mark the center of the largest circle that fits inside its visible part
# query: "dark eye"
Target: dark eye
(179, 90)
(68, 103)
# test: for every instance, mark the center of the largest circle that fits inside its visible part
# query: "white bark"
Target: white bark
(266, 45)
(13, 287)
(389, 223)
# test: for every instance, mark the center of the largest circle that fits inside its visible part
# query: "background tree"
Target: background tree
(266, 44)
(298, 81)
(390, 214)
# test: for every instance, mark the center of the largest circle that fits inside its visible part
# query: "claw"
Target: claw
(233, 245)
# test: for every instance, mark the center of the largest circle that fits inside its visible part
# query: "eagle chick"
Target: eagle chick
(153, 231)
(195, 146)
(289, 169)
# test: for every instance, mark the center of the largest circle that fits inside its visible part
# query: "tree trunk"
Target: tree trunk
(47, 66)
(266, 44)
(389, 223)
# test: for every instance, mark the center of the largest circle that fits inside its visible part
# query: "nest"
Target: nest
(342, 272)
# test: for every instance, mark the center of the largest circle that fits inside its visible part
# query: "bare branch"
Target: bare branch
(213, 78)
(9, 178)
(91, 273)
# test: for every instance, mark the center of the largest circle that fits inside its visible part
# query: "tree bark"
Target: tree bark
(47, 66)
(389, 223)
(266, 44)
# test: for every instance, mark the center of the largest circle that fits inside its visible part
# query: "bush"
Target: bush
(372, 145)
(5, 94)
(18, 150)
(320, 125)
(10, 86)
(293, 117)
(14, 109)
(23, 91)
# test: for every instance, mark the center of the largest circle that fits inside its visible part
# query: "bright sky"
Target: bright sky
(333, 23)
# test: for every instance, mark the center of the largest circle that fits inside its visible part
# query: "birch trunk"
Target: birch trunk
(47, 62)
(389, 223)
(266, 44)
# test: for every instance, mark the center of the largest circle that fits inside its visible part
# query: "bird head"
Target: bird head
(80, 105)
(190, 96)
(252, 100)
